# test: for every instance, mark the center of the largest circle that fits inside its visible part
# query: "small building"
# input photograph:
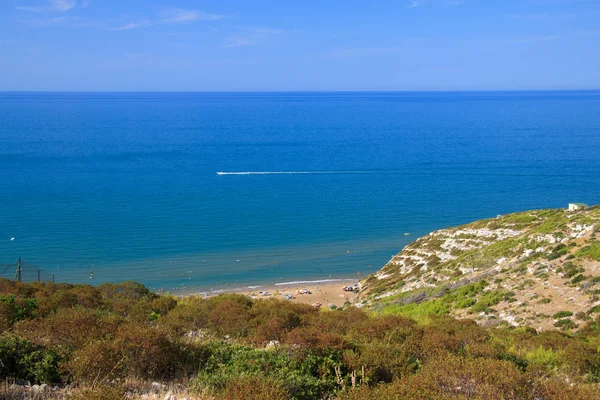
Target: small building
(577, 206)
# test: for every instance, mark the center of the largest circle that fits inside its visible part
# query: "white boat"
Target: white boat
(220, 173)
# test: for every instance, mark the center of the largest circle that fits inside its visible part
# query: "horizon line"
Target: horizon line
(303, 91)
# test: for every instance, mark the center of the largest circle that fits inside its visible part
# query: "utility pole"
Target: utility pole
(38, 275)
(18, 274)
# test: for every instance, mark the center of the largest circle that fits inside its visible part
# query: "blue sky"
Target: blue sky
(230, 45)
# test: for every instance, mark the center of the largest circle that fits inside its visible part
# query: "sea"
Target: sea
(205, 192)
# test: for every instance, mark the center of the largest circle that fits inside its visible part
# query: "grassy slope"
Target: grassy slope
(536, 268)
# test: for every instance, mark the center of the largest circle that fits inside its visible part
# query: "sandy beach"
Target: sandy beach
(310, 292)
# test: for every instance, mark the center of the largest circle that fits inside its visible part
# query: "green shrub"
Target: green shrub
(592, 251)
(594, 309)
(562, 314)
(488, 300)
(565, 324)
(17, 309)
(307, 378)
(465, 303)
(21, 359)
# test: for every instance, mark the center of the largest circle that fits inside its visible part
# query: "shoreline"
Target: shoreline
(319, 291)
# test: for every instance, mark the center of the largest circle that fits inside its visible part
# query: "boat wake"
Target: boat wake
(295, 172)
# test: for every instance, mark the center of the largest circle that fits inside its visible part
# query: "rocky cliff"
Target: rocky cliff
(536, 268)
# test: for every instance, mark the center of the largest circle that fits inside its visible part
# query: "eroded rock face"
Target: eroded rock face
(526, 268)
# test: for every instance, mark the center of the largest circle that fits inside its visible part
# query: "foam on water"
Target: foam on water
(302, 172)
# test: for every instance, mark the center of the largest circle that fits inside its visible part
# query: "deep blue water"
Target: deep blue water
(125, 184)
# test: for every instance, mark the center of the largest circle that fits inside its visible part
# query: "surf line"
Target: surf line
(295, 172)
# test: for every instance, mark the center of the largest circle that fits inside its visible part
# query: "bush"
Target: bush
(148, 353)
(384, 362)
(230, 314)
(124, 333)
(15, 309)
(488, 300)
(592, 251)
(562, 314)
(97, 362)
(21, 359)
(184, 318)
(99, 392)
(558, 251)
(447, 376)
(254, 388)
(565, 324)
(555, 388)
(68, 329)
(308, 378)
(312, 338)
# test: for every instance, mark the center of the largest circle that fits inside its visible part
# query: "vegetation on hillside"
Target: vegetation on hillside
(122, 341)
(517, 269)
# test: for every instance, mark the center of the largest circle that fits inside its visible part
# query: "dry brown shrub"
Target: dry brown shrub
(477, 378)
(581, 358)
(163, 304)
(52, 297)
(7, 286)
(336, 322)
(272, 319)
(230, 316)
(391, 328)
(8, 314)
(100, 392)
(254, 388)
(68, 329)
(149, 353)
(181, 320)
(555, 388)
(97, 362)
(484, 350)
(403, 390)
(447, 334)
(383, 361)
(313, 338)
(126, 290)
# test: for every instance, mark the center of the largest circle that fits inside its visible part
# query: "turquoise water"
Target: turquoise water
(125, 185)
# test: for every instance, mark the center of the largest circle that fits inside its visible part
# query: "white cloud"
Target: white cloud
(452, 3)
(415, 3)
(434, 3)
(171, 16)
(251, 37)
(175, 15)
(133, 25)
(63, 5)
(53, 6)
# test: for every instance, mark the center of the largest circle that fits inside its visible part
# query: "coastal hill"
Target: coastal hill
(536, 268)
(123, 341)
